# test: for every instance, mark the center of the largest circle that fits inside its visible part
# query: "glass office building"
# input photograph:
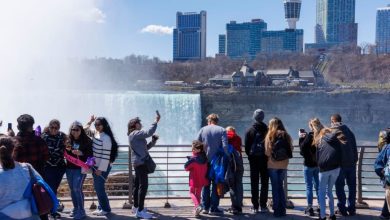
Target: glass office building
(383, 30)
(243, 39)
(289, 40)
(335, 22)
(189, 36)
(222, 44)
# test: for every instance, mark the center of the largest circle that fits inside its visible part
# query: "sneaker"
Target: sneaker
(264, 210)
(143, 214)
(351, 213)
(383, 217)
(309, 211)
(332, 217)
(134, 210)
(56, 215)
(254, 210)
(197, 211)
(206, 211)
(99, 213)
(343, 213)
(71, 214)
(216, 212)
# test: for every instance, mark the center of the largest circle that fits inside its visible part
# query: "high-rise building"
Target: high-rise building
(189, 36)
(289, 40)
(222, 44)
(383, 30)
(335, 22)
(243, 39)
(292, 11)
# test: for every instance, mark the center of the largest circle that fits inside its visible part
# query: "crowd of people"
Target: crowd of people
(215, 166)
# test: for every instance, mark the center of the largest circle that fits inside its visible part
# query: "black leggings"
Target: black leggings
(140, 186)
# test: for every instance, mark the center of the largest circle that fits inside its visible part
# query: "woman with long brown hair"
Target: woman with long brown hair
(328, 160)
(278, 149)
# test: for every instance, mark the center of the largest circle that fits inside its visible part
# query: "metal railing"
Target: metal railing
(170, 181)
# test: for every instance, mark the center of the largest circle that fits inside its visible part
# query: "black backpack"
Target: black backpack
(258, 146)
(281, 150)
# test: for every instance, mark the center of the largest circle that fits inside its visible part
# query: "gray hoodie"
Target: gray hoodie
(138, 143)
(213, 137)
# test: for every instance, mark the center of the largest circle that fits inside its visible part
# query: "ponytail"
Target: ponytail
(6, 149)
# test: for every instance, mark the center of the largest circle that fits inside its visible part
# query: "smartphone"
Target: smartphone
(9, 126)
(302, 130)
(157, 113)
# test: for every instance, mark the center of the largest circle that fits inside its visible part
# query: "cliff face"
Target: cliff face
(365, 113)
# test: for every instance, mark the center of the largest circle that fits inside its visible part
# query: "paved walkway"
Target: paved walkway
(182, 209)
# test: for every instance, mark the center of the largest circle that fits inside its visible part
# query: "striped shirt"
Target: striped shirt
(101, 150)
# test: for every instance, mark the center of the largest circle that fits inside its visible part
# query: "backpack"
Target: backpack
(258, 146)
(281, 150)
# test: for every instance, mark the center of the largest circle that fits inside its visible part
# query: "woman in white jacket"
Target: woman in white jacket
(105, 150)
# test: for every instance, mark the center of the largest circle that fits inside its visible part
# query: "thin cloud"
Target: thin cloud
(157, 29)
(94, 15)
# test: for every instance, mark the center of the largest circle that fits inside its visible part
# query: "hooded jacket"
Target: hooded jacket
(348, 145)
(235, 141)
(250, 135)
(329, 152)
(197, 166)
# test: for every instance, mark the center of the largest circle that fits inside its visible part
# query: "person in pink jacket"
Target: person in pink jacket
(197, 166)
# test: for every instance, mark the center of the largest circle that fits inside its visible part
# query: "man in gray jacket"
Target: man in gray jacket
(213, 138)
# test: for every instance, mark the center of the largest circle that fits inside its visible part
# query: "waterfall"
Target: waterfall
(180, 122)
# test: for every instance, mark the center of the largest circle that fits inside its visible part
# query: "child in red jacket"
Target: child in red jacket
(197, 165)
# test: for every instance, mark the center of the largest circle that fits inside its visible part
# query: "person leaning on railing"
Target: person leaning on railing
(380, 163)
(139, 152)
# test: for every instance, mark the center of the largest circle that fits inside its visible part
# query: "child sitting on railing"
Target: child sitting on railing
(197, 166)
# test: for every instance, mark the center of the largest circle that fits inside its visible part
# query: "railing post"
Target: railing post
(167, 205)
(360, 203)
(129, 204)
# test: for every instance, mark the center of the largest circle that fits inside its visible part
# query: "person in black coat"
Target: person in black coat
(255, 149)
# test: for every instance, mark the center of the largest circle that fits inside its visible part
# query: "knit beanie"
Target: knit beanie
(258, 115)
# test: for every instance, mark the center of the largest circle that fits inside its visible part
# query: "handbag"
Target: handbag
(42, 198)
(148, 162)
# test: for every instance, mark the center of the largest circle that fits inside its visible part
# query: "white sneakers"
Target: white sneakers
(143, 214)
(99, 213)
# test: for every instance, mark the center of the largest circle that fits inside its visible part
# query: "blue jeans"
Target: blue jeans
(327, 181)
(98, 183)
(278, 197)
(206, 197)
(76, 180)
(311, 173)
(346, 175)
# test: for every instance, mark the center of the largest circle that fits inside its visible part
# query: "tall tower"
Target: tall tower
(383, 30)
(292, 11)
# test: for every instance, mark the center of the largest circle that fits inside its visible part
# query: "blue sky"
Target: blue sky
(120, 33)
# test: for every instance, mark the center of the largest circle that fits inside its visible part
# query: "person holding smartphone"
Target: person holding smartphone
(310, 168)
(139, 152)
(79, 146)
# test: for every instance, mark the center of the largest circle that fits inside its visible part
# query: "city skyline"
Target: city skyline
(100, 28)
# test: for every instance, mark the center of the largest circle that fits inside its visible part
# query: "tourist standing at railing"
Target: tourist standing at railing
(197, 166)
(139, 153)
(237, 170)
(14, 180)
(348, 167)
(278, 149)
(80, 147)
(310, 170)
(30, 148)
(214, 138)
(105, 150)
(55, 167)
(383, 144)
(329, 160)
(255, 149)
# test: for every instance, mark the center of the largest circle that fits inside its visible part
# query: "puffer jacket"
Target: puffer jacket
(308, 150)
(197, 166)
(329, 152)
